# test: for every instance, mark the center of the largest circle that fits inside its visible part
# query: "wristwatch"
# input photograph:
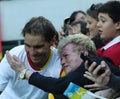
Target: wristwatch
(22, 74)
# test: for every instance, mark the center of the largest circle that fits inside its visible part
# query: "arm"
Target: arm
(106, 78)
(49, 84)
(58, 85)
(114, 82)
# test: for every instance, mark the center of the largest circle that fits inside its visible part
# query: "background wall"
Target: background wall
(16, 13)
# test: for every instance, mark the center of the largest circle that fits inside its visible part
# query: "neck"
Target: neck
(43, 63)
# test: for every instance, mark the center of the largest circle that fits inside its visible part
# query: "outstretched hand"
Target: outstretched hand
(95, 86)
(14, 62)
(101, 79)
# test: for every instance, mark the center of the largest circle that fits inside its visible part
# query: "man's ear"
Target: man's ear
(118, 25)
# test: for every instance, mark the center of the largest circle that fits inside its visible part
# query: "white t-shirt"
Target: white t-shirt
(12, 88)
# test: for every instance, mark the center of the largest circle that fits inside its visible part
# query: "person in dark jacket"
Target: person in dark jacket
(69, 49)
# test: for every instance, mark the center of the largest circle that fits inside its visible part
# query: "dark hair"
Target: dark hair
(93, 10)
(40, 26)
(112, 8)
(73, 15)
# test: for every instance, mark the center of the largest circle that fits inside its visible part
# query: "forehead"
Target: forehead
(103, 15)
(34, 39)
(80, 15)
(69, 47)
(88, 17)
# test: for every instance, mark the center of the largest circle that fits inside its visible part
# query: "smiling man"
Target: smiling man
(38, 56)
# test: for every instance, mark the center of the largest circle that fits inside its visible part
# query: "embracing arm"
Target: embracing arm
(49, 84)
(58, 85)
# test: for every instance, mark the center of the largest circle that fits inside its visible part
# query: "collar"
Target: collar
(114, 41)
(44, 66)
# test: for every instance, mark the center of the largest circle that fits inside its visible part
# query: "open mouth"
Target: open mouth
(100, 32)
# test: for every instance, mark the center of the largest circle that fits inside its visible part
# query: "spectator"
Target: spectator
(107, 78)
(77, 16)
(92, 19)
(78, 27)
(69, 49)
(74, 17)
(109, 30)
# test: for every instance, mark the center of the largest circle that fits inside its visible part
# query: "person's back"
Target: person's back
(37, 56)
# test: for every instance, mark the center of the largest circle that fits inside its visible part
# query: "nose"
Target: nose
(87, 26)
(98, 24)
(32, 50)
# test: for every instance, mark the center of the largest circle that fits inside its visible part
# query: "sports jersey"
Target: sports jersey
(12, 88)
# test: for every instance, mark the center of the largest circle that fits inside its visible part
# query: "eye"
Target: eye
(103, 20)
(27, 45)
(66, 55)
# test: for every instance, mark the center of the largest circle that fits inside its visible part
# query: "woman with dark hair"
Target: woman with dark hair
(92, 20)
(77, 16)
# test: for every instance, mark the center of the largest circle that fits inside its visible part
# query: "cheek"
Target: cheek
(93, 27)
(76, 61)
(27, 49)
(108, 33)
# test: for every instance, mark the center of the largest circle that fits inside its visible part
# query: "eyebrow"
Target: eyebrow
(36, 46)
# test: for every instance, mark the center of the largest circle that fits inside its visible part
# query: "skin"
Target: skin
(91, 25)
(81, 17)
(75, 29)
(70, 59)
(102, 79)
(37, 48)
(107, 28)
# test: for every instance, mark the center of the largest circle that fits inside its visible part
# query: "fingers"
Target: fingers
(91, 67)
(14, 62)
(9, 57)
(94, 87)
(89, 76)
(100, 78)
(16, 58)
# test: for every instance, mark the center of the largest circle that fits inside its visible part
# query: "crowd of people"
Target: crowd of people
(48, 61)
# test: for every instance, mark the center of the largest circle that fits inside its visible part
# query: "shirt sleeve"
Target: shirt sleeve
(114, 82)
(58, 85)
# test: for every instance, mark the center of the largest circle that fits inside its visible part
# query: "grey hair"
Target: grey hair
(81, 41)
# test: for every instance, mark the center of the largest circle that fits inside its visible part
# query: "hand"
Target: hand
(107, 93)
(95, 86)
(14, 62)
(101, 79)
